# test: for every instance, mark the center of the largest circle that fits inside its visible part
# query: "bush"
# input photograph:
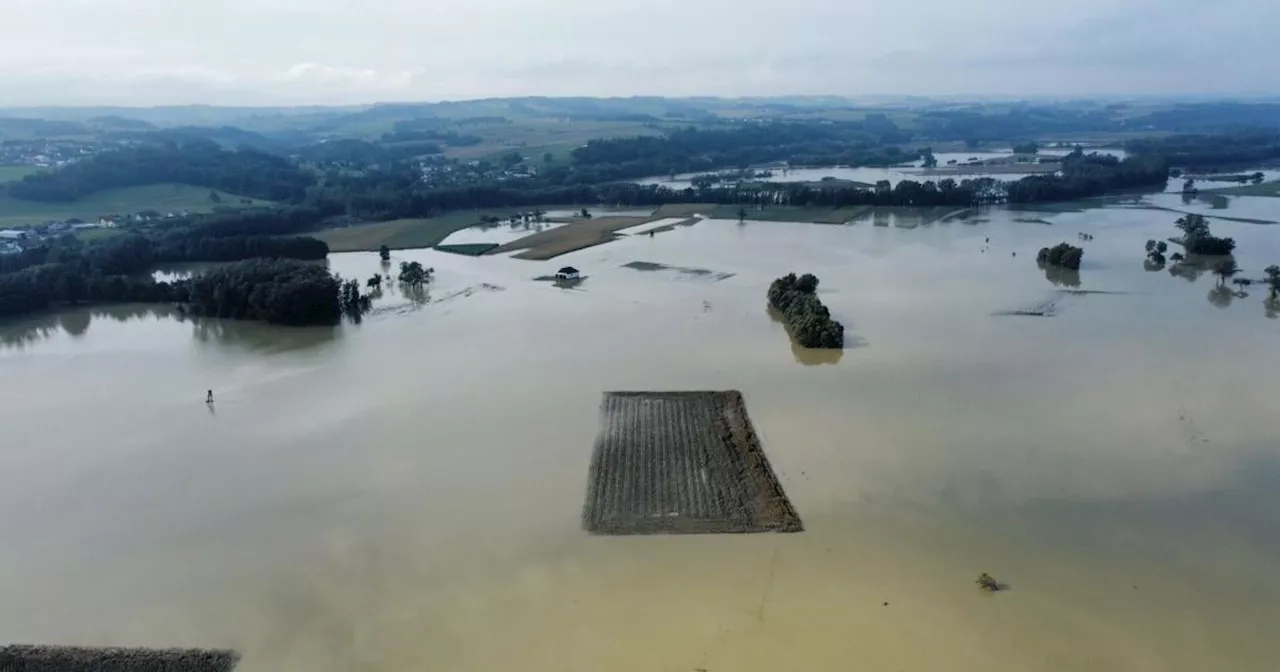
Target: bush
(809, 321)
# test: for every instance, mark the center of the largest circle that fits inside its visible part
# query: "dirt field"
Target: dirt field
(584, 233)
(66, 659)
(681, 462)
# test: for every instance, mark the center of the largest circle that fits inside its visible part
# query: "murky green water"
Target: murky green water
(405, 493)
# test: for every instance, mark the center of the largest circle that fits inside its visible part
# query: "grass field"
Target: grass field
(584, 233)
(1262, 189)
(164, 198)
(535, 137)
(15, 173)
(404, 234)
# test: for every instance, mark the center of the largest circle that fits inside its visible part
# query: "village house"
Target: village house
(568, 273)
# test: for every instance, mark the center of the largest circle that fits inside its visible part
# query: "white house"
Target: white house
(567, 273)
(12, 234)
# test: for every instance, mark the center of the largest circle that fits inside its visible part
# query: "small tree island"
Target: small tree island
(808, 320)
(1062, 254)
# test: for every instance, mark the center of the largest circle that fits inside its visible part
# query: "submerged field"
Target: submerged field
(404, 493)
(681, 462)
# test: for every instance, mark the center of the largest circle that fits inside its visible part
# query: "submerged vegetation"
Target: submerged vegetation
(1062, 255)
(809, 321)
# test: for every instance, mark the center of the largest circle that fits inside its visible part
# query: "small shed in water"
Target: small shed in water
(567, 273)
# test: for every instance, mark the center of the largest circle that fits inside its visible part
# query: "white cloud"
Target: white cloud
(328, 51)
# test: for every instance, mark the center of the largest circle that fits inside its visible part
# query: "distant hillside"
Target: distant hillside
(201, 163)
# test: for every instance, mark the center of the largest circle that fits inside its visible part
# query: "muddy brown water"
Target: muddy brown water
(406, 493)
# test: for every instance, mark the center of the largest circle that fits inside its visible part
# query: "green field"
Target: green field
(163, 198)
(467, 249)
(1261, 189)
(15, 173)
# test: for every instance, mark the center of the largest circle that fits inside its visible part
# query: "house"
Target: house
(567, 273)
(12, 234)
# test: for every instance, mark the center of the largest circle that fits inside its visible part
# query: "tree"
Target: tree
(1224, 269)
(384, 253)
(742, 215)
(547, 158)
(1273, 279)
(586, 214)
(214, 197)
(374, 282)
(413, 274)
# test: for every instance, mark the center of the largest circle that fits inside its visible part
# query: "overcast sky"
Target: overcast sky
(147, 52)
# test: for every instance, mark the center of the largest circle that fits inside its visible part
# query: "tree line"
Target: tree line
(1089, 175)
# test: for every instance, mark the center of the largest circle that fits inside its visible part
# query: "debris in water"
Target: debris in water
(988, 583)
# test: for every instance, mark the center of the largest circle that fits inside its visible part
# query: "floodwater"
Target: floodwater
(405, 494)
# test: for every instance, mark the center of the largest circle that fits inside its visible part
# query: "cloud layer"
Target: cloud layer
(336, 51)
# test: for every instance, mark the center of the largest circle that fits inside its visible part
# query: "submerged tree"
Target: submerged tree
(413, 274)
(1273, 279)
(1224, 269)
(374, 282)
(742, 215)
(809, 321)
(1197, 239)
(1062, 254)
(384, 253)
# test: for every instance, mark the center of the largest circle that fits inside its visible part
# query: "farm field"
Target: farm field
(681, 462)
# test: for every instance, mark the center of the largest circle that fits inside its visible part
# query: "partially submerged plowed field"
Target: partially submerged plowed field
(681, 462)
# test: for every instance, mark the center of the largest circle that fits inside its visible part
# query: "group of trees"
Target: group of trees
(247, 172)
(1155, 251)
(809, 321)
(1197, 238)
(413, 274)
(1063, 255)
(279, 291)
(1198, 151)
(67, 270)
(1088, 175)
